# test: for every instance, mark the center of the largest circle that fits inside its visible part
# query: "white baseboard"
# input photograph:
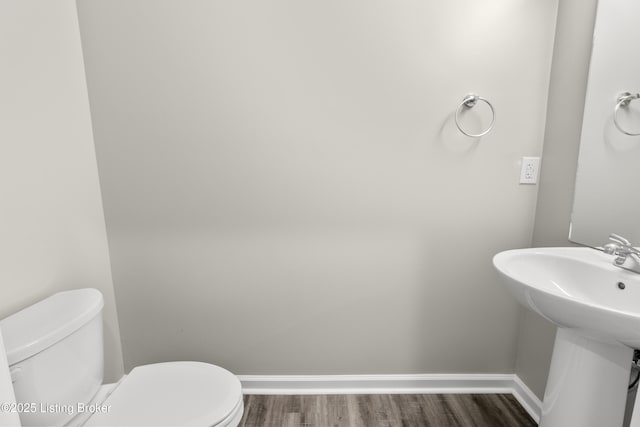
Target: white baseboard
(394, 384)
(527, 398)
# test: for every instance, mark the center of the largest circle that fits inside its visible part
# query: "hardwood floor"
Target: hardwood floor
(385, 410)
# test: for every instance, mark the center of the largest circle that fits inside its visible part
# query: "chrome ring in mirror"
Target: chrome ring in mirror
(623, 101)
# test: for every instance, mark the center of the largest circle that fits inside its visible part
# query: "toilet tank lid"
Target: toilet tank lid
(42, 324)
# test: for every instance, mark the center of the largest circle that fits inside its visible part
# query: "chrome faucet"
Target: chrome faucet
(626, 256)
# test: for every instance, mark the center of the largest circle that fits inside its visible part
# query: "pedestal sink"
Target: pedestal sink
(596, 307)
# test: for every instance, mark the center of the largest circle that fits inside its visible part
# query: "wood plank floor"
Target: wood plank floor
(385, 410)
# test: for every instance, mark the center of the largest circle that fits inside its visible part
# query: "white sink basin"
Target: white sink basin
(576, 288)
(596, 307)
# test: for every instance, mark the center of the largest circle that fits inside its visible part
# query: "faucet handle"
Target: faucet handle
(619, 239)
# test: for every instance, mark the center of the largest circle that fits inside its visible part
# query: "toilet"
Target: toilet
(54, 350)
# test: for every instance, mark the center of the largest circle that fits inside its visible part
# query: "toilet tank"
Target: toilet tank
(55, 355)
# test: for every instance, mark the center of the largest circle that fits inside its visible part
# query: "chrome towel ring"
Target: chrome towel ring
(623, 101)
(469, 101)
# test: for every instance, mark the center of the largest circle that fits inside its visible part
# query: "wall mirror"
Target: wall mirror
(607, 193)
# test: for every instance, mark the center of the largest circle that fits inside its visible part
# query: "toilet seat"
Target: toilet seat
(172, 394)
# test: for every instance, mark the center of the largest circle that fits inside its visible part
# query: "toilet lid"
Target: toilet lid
(170, 394)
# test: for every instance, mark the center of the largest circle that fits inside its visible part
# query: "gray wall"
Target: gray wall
(567, 91)
(51, 219)
(286, 192)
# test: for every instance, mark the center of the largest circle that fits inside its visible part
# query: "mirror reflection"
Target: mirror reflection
(607, 193)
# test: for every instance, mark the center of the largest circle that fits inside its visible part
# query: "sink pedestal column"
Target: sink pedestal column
(587, 384)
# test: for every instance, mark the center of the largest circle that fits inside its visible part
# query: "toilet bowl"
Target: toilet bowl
(54, 349)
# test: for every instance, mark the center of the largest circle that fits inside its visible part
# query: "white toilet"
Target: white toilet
(55, 354)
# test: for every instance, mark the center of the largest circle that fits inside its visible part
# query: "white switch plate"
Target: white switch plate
(529, 170)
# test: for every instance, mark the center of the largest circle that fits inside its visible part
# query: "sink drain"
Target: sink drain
(621, 285)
